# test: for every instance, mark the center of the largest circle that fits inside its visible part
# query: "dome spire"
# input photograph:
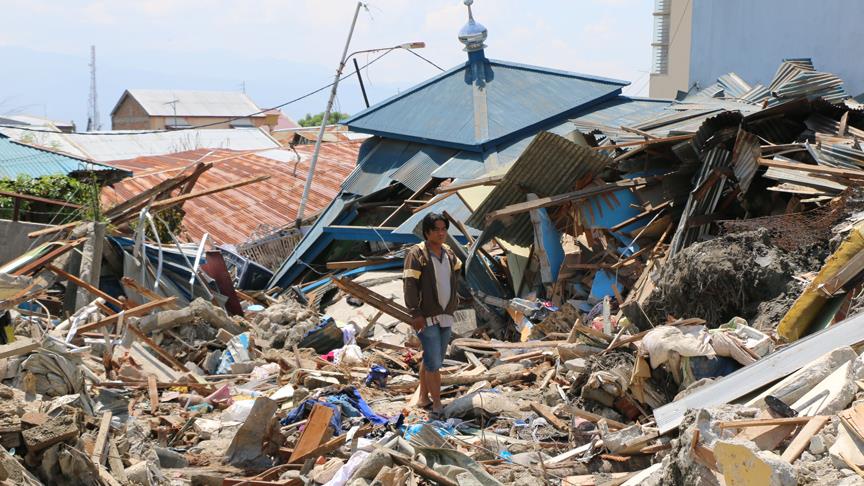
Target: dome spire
(473, 33)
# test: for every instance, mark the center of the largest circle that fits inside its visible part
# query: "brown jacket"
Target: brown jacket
(421, 288)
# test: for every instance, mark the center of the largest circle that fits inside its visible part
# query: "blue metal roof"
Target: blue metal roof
(21, 159)
(518, 98)
(377, 161)
(452, 204)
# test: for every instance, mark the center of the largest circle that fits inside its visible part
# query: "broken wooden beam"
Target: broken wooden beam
(135, 311)
(90, 288)
(317, 430)
(545, 202)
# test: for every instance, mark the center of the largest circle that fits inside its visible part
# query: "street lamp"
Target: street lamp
(326, 117)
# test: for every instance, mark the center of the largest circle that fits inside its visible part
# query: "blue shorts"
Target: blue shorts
(434, 340)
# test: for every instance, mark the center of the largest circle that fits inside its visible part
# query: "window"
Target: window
(660, 41)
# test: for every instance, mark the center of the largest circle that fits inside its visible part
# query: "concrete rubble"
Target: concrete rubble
(683, 255)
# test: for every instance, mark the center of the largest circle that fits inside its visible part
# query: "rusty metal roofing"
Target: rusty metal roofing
(550, 165)
(231, 216)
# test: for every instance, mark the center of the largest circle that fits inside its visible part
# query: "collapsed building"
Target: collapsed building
(655, 292)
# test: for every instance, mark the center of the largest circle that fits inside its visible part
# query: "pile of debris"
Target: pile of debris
(665, 302)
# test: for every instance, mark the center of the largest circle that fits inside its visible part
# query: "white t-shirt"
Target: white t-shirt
(442, 281)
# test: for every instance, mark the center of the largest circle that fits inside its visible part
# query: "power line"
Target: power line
(299, 98)
(427, 60)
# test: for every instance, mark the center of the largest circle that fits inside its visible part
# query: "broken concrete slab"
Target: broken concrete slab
(794, 386)
(742, 464)
(247, 445)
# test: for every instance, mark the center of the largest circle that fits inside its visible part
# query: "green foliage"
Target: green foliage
(168, 221)
(58, 187)
(315, 120)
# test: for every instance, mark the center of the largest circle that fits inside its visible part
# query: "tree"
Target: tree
(311, 120)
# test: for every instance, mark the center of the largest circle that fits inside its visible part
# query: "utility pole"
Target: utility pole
(360, 78)
(93, 123)
(324, 120)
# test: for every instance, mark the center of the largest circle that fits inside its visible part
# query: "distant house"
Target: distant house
(151, 109)
(36, 121)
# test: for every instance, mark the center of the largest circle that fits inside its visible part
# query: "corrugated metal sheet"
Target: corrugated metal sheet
(21, 159)
(800, 178)
(797, 78)
(111, 146)
(550, 165)
(441, 110)
(415, 173)
(453, 205)
(173, 102)
(379, 159)
(688, 232)
(836, 155)
(745, 158)
(232, 216)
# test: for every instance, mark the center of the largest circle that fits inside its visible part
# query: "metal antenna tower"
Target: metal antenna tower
(93, 123)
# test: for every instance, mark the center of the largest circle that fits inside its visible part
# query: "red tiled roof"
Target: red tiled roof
(231, 216)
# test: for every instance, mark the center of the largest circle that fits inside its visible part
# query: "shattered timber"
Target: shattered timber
(653, 292)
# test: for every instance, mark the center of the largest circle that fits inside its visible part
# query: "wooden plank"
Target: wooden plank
(482, 181)
(315, 432)
(593, 417)
(741, 424)
(20, 346)
(139, 200)
(493, 345)
(149, 294)
(135, 311)
(802, 440)
(77, 281)
(352, 264)
(853, 418)
(27, 197)
(550, 417)
(115, 462)
(559, 199)
(224, 187)
(177, 365)
(53, 229)
(653, 141)
(48, 257)
(383, 304)
(327, 447)
(154, 394)
(813, 169)
(99, 449)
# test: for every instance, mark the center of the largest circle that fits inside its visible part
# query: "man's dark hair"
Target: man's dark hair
(429, 222)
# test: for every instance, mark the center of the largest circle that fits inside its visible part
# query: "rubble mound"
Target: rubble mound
(284, 325)
(727, 277)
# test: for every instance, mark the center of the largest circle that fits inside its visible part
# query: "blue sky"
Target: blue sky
(282, 49)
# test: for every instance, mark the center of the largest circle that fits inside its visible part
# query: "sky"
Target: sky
(278, 50)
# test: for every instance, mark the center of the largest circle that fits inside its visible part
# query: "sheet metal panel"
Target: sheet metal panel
(550, 165)
(21, 159)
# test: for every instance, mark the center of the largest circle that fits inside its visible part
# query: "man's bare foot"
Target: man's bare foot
(424, 403)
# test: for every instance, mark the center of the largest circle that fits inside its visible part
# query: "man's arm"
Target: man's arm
(411, 287)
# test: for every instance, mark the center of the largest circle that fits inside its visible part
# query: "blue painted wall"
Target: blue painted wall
(751, 38)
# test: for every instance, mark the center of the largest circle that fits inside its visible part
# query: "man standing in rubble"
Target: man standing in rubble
(429, 279)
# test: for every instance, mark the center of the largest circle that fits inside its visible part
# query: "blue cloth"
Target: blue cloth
(347, 401)
(434, 340)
